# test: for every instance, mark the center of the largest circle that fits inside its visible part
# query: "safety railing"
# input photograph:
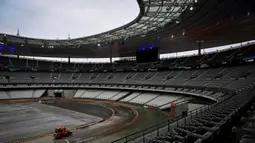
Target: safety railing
(149, 133)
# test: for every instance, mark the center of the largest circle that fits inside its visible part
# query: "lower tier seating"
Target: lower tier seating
(163, 99)
(206, 126)
(18, 94)
(91, 93)
(107, 95)
(119, 95)
(3, 95)
(131, 96)
(144, 98)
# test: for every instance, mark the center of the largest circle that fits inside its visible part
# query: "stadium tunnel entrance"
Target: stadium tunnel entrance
(58, 93)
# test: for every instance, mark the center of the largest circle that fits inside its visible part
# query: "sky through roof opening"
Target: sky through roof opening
(55, 19)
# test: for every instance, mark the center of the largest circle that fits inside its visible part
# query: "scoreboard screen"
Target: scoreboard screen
(147, 55)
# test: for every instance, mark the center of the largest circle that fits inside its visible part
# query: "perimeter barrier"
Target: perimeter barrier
(150, 133)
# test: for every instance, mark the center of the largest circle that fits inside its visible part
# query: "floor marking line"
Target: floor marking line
(67, 141)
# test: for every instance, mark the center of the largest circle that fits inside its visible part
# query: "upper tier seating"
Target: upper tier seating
(99, 78)
(233, 78)
(64, 78)
(120, 77)
(232, 55)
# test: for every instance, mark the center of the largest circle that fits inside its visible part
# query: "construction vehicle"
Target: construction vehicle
(61, 132)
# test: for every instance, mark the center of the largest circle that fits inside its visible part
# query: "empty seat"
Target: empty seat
(107, 94)
(21, 93)
(144, 98)
(3, 95)
(91, 93)
(163, 99)
(131, 96)
(119, 95)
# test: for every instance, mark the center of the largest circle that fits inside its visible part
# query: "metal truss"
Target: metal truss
(155, 15)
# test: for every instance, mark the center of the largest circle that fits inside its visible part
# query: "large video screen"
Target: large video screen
(147, 55)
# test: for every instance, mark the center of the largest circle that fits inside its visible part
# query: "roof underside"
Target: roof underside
(215, 22)
(154, 14)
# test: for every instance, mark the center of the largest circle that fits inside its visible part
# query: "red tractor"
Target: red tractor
(61, 132)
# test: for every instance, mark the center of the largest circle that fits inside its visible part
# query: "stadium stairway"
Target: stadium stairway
(247, 129)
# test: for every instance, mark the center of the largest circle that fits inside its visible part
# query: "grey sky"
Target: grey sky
(56, 18)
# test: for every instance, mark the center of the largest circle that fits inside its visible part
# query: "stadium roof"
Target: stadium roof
(154, 14)
(173, 25)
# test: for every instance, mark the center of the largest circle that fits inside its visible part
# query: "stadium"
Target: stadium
(181, 72)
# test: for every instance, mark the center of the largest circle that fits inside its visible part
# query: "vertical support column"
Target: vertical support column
(69, 58)
(37, 63)
(5, 42)
(199, 48)
(199, 43)
(143, 137)
(17, 55)
(168, 125)
(111, 53)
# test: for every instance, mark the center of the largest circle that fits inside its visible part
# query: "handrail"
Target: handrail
(182, 98)
(119, 84)
(141, 133)
(132, 136)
